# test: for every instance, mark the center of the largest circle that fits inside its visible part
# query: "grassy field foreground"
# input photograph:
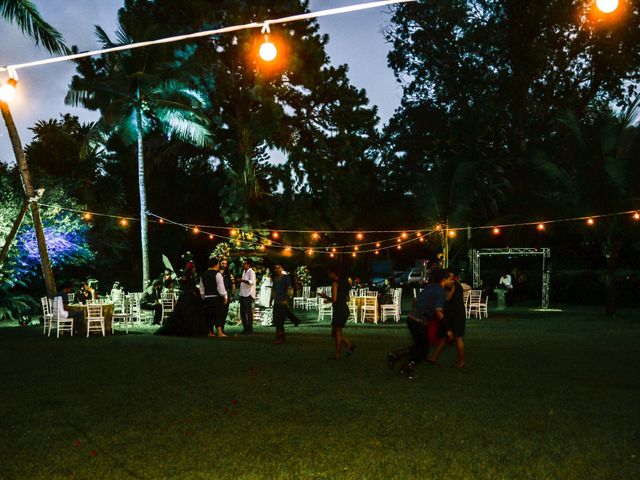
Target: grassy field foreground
(543, 396)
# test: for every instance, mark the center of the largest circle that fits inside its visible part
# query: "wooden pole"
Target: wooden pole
(29, 192)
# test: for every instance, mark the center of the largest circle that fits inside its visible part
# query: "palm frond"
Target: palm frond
(186, 125)
(27, 17)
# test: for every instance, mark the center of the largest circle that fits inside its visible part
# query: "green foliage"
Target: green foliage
(26, 16)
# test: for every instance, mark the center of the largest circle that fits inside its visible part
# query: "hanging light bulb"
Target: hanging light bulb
(636, 216)
(452, 233)
(356, 248)
(268, 51)
(354, 254)
(332, 255)
(377, 244)
(607, 6)
(590, 221)
(8, 90)
(161, 220)
(275, 235)
(87, 216)
(540, 227)
(377, 252)
(310, 252)
(399, 247)
(124, 222)
(404, 235)
(211, 236)
(234, 232)
(196, 230)
(315, 235)
(496, 231)
(334, 250)
(359, 236)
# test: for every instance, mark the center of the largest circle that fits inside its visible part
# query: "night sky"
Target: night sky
(355, 39)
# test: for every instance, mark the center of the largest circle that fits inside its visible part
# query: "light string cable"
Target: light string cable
(364, 247)
(208, 33)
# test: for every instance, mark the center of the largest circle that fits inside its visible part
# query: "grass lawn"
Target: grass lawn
(543, 396)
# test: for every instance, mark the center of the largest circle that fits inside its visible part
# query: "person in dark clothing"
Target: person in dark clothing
(215, 298)
(455, 314)
(281, 291)
(247, 296)
(187, 318)
(152, 300)
(340, 300)
(429, 306)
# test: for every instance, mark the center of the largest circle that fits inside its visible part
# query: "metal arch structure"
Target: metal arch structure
(476, 254)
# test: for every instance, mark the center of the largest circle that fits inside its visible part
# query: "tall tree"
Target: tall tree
(26, 16)
(138, 92)
(297, 105)
(484, 80)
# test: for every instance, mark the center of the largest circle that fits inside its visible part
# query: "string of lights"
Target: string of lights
(264, 25)
(397, 241)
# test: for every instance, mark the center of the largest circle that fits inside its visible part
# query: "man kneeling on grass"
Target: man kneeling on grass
(428, 307)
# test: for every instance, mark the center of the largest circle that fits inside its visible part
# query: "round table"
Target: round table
(81, 327)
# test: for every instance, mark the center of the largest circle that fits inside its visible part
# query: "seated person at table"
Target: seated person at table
(152, 300)
(85, 293)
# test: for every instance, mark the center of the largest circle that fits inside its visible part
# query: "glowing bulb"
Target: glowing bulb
(354, 254)
(332, 255)
(496, 231)
(540, 227)
(238, 243)
(334, 250)
(399, 247)
(398, 240)
(359, 236)
(310, 252)
(210, 237)
(196, 230)
(357, 248)
(419, 234)
(404, 235)
(636, 216)
(590, 221)
(377, 252)
(8, 90)
(124, 222)
(378, 245)
(452, 233)
(268, 51)
(87, 216)
(275, 235)
(421, 239)
(161, 220)
(234, 232)
(262, 248)
(438, 228)
(607, 6)
(315, 235)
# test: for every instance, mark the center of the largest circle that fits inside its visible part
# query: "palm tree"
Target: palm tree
(137, 92)
(25, 15)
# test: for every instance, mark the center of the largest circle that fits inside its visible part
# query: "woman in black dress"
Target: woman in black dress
(456, 318)
(188, 317)
(340, 299)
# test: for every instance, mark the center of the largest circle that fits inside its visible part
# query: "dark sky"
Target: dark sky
(355, 39)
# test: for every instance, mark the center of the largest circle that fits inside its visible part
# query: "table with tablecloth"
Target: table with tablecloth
(81, 327)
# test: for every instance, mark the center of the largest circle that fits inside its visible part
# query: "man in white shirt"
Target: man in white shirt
(507, 284)
(247, 296)
(215, 297)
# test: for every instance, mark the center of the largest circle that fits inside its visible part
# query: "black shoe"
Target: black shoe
(351, 350)
(391, 360)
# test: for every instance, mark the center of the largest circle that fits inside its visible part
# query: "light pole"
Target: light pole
(7, 91)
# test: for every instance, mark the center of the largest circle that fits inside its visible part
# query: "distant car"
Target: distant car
(377, 282)
(415, 277)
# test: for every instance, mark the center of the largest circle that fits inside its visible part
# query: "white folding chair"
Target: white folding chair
(324, 309)
(392, 309)
(71, 297)
(301, 302)
(484, 308)
(370, 309)
(95, 319)
(168, 304)
(122, 317)
(475, 297)
(353, 308)
(47, 313)
(62, 324)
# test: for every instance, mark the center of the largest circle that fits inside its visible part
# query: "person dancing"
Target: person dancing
(340, 300)
(455, 314)
(428, 307)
